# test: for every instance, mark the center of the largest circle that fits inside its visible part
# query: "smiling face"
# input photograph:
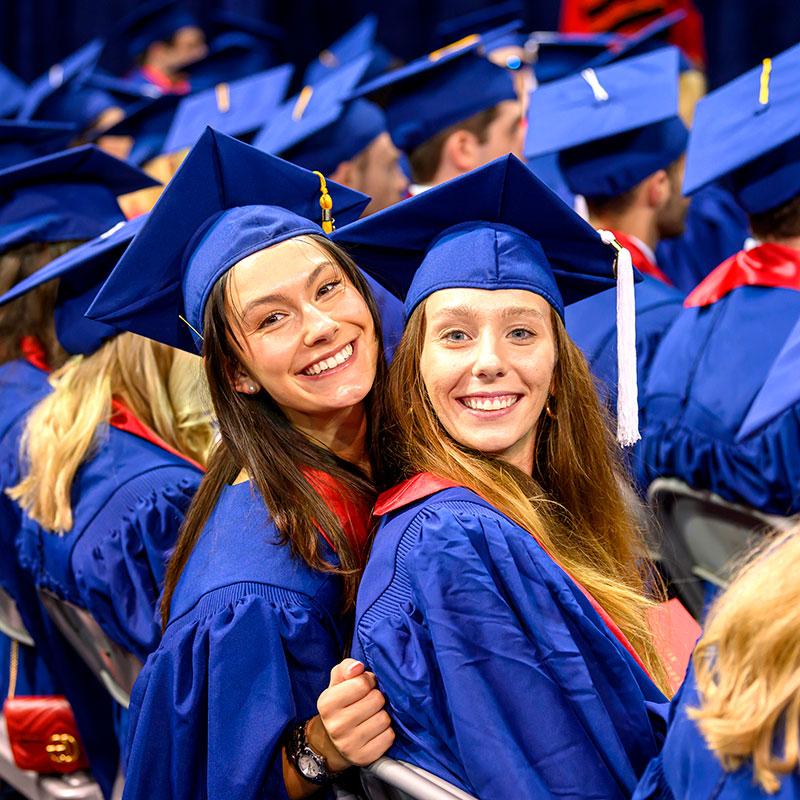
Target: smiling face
(306, 334)
(487, 363)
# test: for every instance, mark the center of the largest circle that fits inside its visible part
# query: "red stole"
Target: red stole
(164, 82)
(768, 265)
(123, 419)
(640, 259)
(33, 353)
(353, 514)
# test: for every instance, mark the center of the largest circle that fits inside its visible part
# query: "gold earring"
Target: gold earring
(549, 411)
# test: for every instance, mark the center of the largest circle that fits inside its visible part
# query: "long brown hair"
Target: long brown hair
(256, 436)
(748, 665)
(572, 503)
(32, 313)
(159, 384)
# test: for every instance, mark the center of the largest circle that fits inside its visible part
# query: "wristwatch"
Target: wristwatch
(307, 761)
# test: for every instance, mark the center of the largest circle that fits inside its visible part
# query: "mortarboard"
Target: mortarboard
(358, 41)
(64, 196)
(749, 130)
(230, 56)
(780, 391)
(318, 129)
(559, 55)
(235, 109)
(147, 124)
(611, 127)
(477, 231)
(227, 201)
(438, 90)
(81, 272)
(12, 92)
(26, 141)
(652, 36)
(154, 21)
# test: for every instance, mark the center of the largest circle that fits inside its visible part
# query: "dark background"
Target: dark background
(37, 33)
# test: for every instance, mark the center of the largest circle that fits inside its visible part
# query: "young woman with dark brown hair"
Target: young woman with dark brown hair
(255, 606)
(503, 605)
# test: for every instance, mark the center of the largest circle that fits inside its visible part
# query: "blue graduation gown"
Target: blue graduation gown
(716, 227)
(687, 770)
(706, 374)
(252, 637)
(592, 324)
(22, 385)
(499, 674)
(128, 503)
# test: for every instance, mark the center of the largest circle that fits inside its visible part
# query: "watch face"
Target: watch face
(309, 765)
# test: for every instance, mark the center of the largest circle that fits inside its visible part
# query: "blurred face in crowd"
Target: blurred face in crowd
(505, 134)
(187, 45)
(671, 217)
(376, 172)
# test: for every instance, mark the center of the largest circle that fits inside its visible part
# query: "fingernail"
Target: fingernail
(353, 667)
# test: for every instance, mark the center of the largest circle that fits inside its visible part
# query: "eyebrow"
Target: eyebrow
(505, 313)
(282, 298)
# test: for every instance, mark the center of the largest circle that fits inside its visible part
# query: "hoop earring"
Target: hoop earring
(549, 411)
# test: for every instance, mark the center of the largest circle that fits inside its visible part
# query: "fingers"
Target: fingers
(373, 750)
(341, 720)
(344, 694)
(346, 669)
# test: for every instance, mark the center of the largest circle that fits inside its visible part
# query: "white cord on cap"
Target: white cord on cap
(627, 388)
(590, 76)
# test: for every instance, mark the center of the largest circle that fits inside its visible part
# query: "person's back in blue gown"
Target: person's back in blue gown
(499, 674)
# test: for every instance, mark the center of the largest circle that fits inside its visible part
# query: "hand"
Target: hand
(352, 727)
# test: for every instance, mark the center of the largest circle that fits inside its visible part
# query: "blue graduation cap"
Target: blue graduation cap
(12, 92)
(318, 129)
(358, 41)
(81, 272)
(147, 124)
(479, 21)
(559, 55)
(154, 21)
(235, 109)
(611, 127)
(65, 196)
(477, 231)
(26, 141)
(438, 90)
(61, 93)
(227, 201)
(652, 36)
(749, 130)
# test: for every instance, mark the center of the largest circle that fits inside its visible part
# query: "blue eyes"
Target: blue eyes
(518, 334)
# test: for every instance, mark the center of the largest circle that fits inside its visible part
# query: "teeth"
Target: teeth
(490, 403)
(330, 363)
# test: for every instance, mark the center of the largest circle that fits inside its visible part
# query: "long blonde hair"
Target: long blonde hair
(160, 385)
(572, 503)
(748, 666)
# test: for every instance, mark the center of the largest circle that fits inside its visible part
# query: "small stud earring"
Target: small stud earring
(252, 388)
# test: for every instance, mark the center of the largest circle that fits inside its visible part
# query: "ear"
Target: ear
(243, 383)
(461, 149)
(344, 174)
(657, 189)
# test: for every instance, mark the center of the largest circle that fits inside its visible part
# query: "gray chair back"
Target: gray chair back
(388, 779)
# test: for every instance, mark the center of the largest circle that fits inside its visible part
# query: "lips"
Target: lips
(487, 403)
(330, 362)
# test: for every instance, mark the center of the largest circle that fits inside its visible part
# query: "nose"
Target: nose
(319, 326)
(488, 363)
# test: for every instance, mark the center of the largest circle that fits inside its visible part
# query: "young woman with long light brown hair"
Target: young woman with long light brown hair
(235, 702)
(503, 605)
(734, 729)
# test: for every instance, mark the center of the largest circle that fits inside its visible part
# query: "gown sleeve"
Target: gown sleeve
(536, 693)
(212, 703)
(120, 559)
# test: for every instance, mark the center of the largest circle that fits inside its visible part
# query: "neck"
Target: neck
(638, 222)
(444, 172)
(343, 432)
(792, 242)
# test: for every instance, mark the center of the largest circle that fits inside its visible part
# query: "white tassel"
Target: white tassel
(627, 389)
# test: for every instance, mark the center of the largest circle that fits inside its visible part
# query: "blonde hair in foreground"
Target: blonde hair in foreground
(748, 666)
(162, 387)
(572, 503)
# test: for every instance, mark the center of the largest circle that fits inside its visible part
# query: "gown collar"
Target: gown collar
(425, 484)
(123, 419)
(642, 256)
(33, 352)
(768, 265)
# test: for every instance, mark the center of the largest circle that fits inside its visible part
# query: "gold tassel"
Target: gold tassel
(223, 93)
(191, 327)
(325, 203)
(766, 71)
(303, 100)
(461, 44)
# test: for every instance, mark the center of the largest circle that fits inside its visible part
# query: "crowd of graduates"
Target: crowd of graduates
(329, 409)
